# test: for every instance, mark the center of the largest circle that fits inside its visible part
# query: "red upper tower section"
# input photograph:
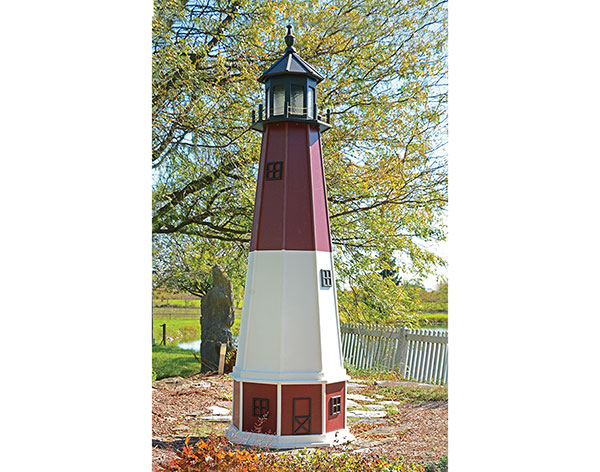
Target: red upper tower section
(290, 212)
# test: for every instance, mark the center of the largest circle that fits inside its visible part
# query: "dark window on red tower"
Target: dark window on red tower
(325, 278)
(335, 405)
(274, 170)
(260, 407)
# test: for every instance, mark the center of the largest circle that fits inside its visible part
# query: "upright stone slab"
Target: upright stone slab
(217, 309)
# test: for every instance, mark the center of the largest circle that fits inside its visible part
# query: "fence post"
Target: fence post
(164, 336)
(222, 359)
(401, 351)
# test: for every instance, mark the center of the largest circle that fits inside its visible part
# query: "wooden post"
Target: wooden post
(222, 359)
(400, 360)
(164, 336)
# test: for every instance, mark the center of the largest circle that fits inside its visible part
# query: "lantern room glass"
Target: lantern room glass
(310, 102)
(297, 100)
(278, 100)
(268, 107)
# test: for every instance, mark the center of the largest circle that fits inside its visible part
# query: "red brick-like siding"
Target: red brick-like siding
(255, 424)
(335, 422)
(288, 393)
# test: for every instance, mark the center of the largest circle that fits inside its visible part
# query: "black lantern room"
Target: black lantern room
(290, 91)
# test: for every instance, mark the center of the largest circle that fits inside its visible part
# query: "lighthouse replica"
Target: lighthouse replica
(289, 386)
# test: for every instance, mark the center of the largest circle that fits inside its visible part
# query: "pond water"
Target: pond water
(192, 345)
(195, 345)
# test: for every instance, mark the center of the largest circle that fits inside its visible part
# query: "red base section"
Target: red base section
(301, 408)
(255, 418)
(335, 421)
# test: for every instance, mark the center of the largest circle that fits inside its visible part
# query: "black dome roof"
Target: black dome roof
(290, 63)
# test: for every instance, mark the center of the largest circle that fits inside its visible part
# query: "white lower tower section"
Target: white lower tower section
(289, 329)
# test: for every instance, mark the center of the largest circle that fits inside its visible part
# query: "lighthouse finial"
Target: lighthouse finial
(289, 39)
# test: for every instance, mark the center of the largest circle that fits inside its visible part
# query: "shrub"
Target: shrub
(212, 454)
(217, 454)
(439, 466)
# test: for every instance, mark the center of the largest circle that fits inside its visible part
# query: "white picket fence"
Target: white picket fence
(420, 355)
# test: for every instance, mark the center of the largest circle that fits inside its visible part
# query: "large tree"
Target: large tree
(385, 71)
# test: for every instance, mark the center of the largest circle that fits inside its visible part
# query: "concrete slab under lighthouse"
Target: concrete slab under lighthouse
(288, 442)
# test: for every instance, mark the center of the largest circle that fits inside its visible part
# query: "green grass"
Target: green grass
(413, 393)
(181, 330)
(184, 330)
(410, 393)
(171, 361)
(235, 329)
(372, 374)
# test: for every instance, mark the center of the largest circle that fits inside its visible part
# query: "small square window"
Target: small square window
(335, 405)
(260, 407)
(325, 278)
(273, 170)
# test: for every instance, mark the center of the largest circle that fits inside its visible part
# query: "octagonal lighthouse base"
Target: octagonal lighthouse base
(332, 438)
(286, 415)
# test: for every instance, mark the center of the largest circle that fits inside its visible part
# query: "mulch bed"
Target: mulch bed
(418, 432)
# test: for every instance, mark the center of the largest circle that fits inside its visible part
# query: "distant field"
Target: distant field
(176, 303)
(171, 313)
(434, 319)
(186, 309)
(179, 313)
